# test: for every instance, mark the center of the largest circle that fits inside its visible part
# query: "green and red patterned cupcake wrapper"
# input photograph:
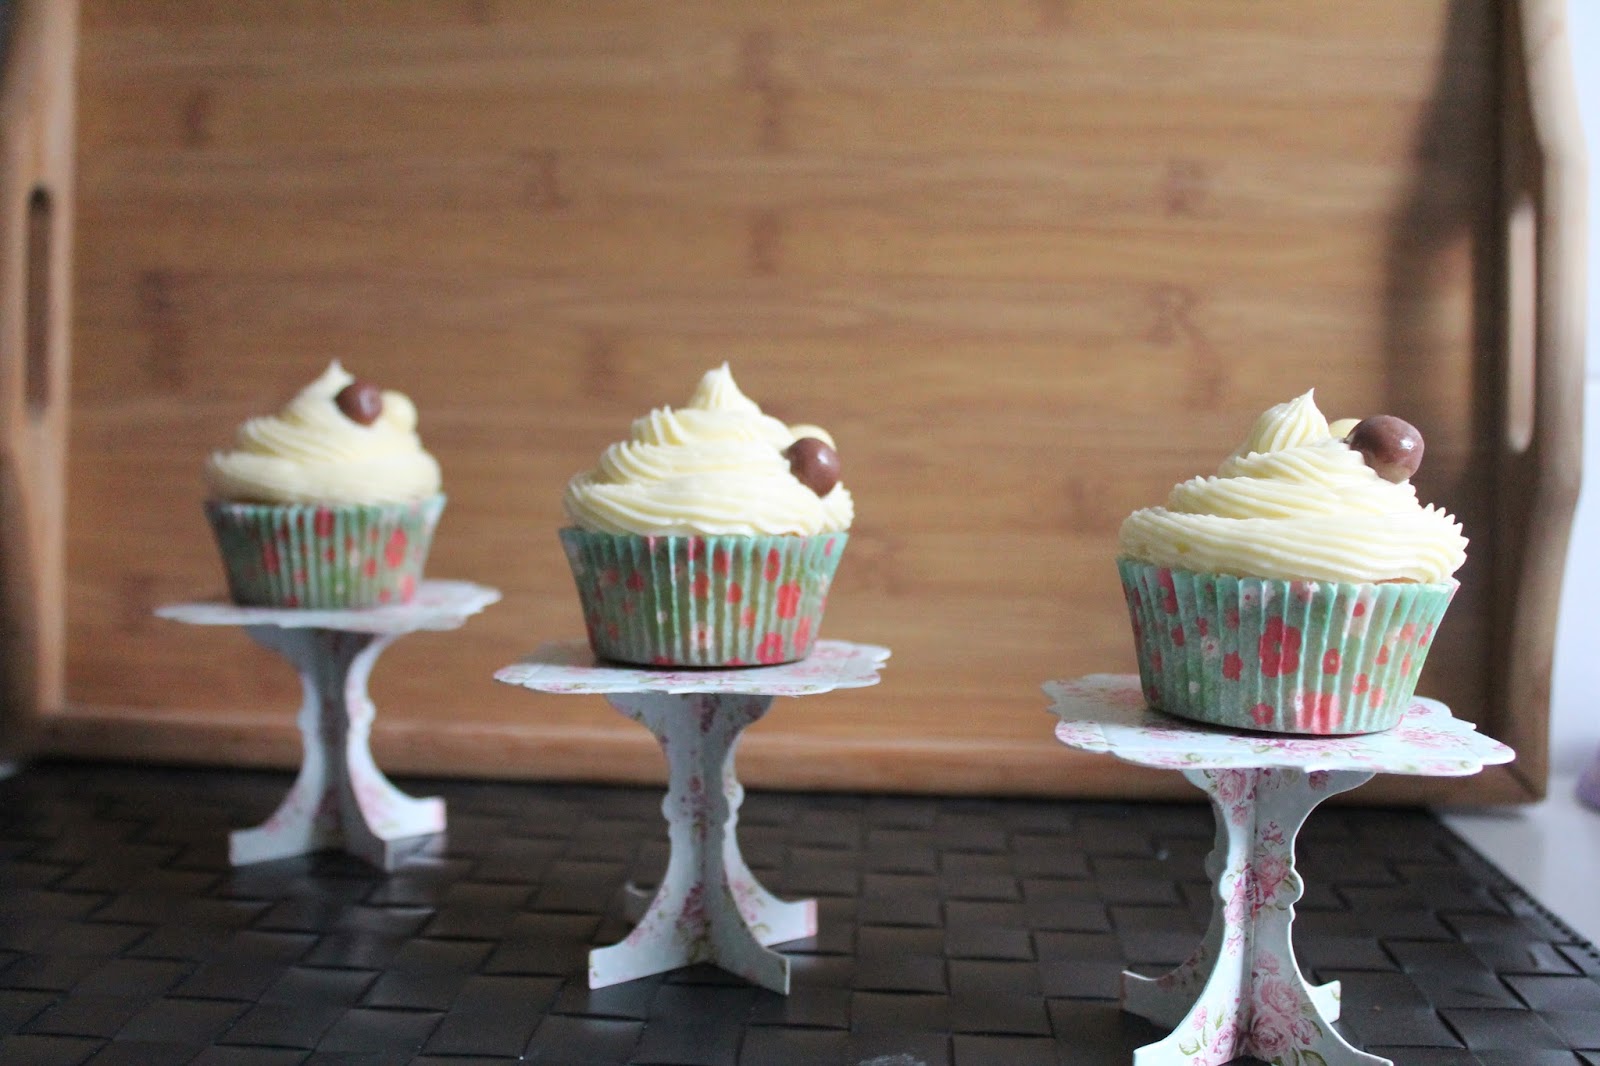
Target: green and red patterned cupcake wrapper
(1314, 657)
(702, 601)
(324, 556)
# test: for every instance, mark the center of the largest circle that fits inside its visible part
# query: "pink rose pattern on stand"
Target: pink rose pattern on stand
(1241, 992)
(340, 797)
(709, 907)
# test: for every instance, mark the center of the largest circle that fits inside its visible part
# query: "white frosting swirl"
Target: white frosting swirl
(713, 468)
(1296, 502)
(311, 452)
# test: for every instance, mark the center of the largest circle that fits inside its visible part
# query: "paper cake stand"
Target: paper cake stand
(340, 798)
(709, 907)
(1241, 992)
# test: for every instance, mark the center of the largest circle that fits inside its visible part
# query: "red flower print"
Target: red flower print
(1405, 665)
(1330, 661)
(827, 549)
(1383, 654)
(693, 548)
(1155, 660)
(1177, 636)
(788, 599)
(1317, 713)
(269, 559)
(1361, 684)
(1169, 594)
(324, 522)
(774, 565)
(328, 554)
(1279, 649)
(735, 593)
(1271, 872)
(1232, 666)
(802, 634)
(701, 586)
(1408, 632)
(636, 581)
(408, 588)
(1203, 625)
(370, 567)
(1359, 609)
(1232, 785)
(748, 618)
(394, 553)
(1427, 637)
(720, 562)
(1375, 697)
(770, 649)
(1230, 618)
(1261, 713)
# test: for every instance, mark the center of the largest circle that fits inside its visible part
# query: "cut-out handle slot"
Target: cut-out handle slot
(1522, 322)
(37, 296)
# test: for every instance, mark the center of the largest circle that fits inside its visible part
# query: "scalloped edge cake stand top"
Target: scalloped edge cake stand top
(1241, 992)
(340, 799)
(708, 907)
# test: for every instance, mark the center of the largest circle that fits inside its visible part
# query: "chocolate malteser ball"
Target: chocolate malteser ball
(1392, 446)
(361, 402)
(814, 463)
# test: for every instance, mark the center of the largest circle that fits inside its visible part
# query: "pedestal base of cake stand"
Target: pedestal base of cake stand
(340, 799)
(1241, 992)
(708, 907)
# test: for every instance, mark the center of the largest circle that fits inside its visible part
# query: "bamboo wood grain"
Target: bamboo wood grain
(36, 153)
(1545, 213)
(1030, 262)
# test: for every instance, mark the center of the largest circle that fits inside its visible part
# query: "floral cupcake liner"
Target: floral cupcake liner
(702, 601)
(324, 555)
(1314, 657)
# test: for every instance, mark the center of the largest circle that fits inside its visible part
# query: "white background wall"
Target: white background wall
(1575, 716)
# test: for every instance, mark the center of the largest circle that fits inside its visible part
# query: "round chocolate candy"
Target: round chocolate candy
(814, 463)
(361, 402)
(1392, 446)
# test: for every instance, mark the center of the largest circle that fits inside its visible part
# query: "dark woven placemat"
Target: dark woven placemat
(973, 932)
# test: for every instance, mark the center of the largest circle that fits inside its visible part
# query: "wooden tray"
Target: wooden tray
(1031, 261)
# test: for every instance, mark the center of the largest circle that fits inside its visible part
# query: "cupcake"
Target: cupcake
(710, 536)
(331, 503)
(1298, 590)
